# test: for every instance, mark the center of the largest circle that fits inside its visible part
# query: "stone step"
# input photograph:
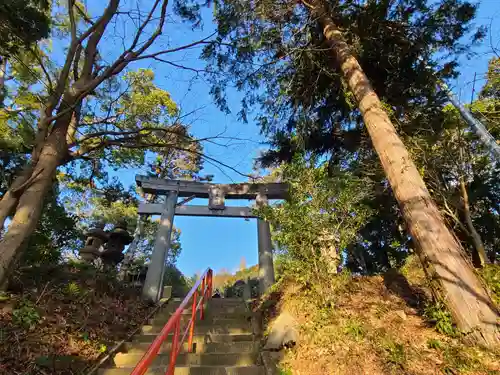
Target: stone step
(231, 302)
(209, 337)
(210, 310)
(204, 329)
(201, 347)
(193, 370)
(210, 316)
(204, 325)
(226, 301)
(129, 360)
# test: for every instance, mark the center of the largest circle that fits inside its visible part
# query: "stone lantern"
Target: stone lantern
(96, 238)
(119, 237)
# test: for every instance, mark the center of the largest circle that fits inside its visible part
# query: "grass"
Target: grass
(284, 371)
(355, 329)
(395, 351)
(434, 344)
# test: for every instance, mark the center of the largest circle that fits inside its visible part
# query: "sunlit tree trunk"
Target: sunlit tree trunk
(465, 296)
(30, 204)
(10, 198)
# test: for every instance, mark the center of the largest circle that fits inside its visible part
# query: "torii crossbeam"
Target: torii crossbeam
(216, 194)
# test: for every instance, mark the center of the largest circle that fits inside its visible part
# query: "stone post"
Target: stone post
(266, 266)
(153, 286)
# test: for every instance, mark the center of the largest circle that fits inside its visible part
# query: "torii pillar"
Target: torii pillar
(153, 286)
(266, 265)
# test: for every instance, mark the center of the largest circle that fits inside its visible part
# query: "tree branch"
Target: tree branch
(82, 13)
(176, 49)
(44, 70)
(180, 66)
(95, 37)
(72, 23)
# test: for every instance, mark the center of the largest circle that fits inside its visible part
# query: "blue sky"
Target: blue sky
(222, 242)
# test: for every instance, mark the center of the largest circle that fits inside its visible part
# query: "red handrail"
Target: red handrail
(174, 324)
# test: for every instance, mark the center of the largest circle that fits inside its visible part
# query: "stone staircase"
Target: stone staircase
(224, 343)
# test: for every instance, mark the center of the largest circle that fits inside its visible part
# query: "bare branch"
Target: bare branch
(95, 37)
(180, 66)
(44, 70)
(176, 49)
(144, 24)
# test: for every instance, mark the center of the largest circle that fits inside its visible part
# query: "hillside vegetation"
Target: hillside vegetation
(384, 324)
(60, 319)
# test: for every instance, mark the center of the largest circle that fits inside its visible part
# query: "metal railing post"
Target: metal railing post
(210, 280)
(173, 353)
(193, 319)
(200, 297)
(203, 297)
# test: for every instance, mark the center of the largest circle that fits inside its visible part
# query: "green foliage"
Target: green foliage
(56, 234)
(304, 102)
(438, 315)
(72, 289)
(179, 283)
(285, 371)
(320, 219)
(459, 360)
(355, 329)
(395, 351)
(434, 344)
(491, 276)
(22, 22)
(305, 107)
(141, 118)
(26, 315)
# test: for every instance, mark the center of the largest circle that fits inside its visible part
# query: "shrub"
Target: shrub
(26, 315)
(491, 275)
(440, 317)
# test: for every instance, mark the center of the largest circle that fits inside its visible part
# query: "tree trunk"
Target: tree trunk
(31, 198)
(11, 197)
(3, 73)
(466, 298)
(476, 238)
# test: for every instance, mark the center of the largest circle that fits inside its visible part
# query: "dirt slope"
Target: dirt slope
(375, 325)
(60, 320)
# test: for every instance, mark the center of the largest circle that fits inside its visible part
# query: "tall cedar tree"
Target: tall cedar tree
(302, 63)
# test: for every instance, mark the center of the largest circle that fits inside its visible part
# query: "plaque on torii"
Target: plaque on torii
(216, 195)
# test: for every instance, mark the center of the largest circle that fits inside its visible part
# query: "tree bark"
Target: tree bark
(476, 238)
(466, 298)
(30, 204)
(3, 73)
(10, 199)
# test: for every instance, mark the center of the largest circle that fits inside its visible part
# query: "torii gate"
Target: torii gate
(216, 194)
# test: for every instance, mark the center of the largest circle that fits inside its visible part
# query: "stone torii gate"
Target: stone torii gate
(216, 194)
